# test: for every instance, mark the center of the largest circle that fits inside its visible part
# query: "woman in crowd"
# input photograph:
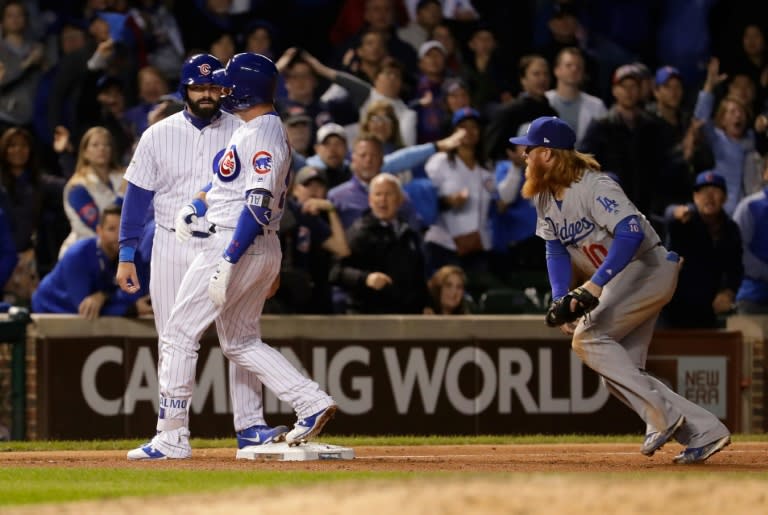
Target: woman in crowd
(447, 293)
(731, 138)
(96, 183)
(33, 208)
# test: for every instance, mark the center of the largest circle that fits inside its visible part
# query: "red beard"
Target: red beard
(534, 181)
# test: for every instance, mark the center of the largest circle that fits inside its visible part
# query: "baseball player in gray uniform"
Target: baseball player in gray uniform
(587, 220)
(228, 281)
(174, 159)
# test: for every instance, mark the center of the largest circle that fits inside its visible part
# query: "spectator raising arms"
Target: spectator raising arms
(730, 137)
(461, 235)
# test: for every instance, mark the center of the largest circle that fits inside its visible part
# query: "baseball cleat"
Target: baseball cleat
(655, 441)
(700, 454)
(146, 452)
(173, 444)
(306, 428)
(260, 435)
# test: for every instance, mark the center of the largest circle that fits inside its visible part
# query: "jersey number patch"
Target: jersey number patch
(596, 253)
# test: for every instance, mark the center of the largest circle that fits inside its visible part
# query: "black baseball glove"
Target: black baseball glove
(560, 313)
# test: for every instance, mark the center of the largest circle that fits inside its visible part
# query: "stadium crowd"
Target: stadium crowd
(406, 194)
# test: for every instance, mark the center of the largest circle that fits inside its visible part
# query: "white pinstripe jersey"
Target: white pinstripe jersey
(175, 160)
(586, 219)
(258, 157)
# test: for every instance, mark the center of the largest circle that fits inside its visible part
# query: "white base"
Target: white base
(309, 451)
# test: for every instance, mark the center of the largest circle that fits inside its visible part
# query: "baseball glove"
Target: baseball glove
(560, 313)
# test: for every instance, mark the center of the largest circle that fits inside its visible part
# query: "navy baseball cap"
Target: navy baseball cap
(627, 71)
(547, 131)
(306, 174)
(665, 73)
(710, 178)
(464, 113)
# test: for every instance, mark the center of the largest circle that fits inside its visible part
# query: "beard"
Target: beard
(204, 111)
(534, 181)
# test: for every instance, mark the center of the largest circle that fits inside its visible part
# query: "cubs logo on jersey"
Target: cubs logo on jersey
(217, 160)
(89, 213)
(229, 165)
(262, 162)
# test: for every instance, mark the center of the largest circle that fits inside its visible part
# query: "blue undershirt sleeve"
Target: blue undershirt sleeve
(84, 205)
(134, 212)
(558, 268)
(79, 265)
(245, 232)
(626, 240)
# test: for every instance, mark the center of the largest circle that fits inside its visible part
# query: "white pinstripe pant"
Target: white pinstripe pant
(170, 261)
(238, 327)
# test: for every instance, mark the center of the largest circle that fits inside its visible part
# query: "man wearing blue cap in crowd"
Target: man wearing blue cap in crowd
(461, 234)
(687, 149)
(710, 242)
(588, 223)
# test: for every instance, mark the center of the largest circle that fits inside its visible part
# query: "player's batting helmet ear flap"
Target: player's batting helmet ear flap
(198, 69)
(252, 79)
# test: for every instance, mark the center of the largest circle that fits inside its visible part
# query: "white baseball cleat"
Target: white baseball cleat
(165, 445)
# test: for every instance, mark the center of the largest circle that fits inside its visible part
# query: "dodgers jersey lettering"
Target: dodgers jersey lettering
(175, 160)
(586, 219)
(258, 157)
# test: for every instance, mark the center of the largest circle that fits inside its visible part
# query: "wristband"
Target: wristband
(126, 254)
(200, 207)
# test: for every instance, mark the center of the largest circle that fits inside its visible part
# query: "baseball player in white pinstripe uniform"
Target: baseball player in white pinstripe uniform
(228, 281)
(173, 160)
(587, 220)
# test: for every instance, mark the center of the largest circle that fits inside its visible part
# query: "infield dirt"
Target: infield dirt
(510, 479)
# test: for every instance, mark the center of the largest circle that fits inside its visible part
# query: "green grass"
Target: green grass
(26, 485)
(30, 485)
(353, 441)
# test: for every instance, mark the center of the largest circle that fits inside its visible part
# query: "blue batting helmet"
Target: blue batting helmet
(198, 69)
(251, 80)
